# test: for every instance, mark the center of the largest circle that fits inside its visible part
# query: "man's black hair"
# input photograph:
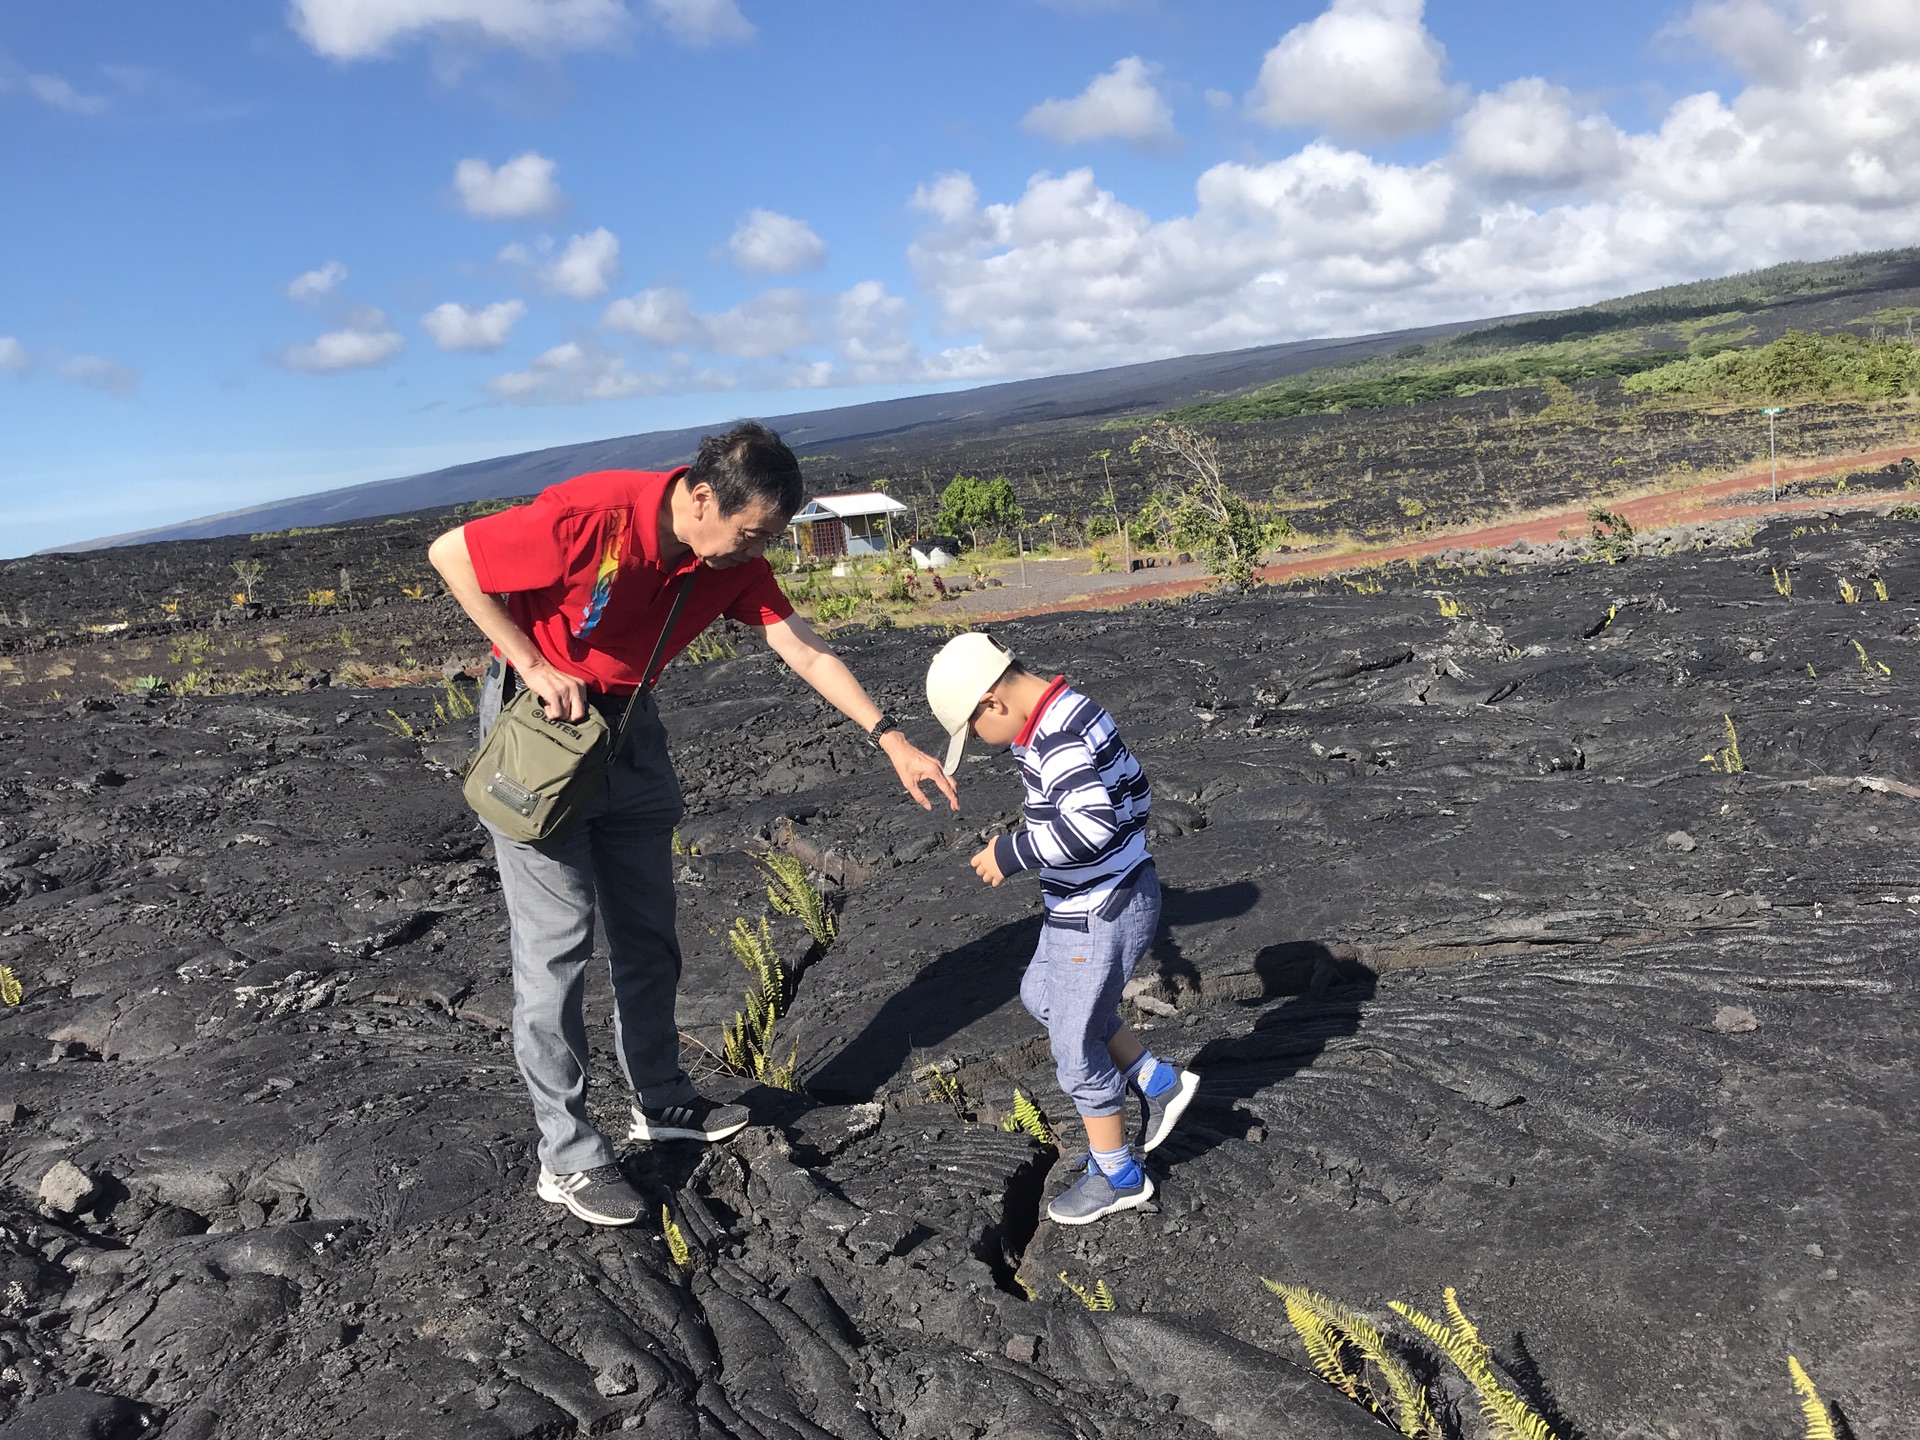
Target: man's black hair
(749, 463)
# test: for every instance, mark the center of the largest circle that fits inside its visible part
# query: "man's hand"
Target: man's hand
(987, 868)
(915, 768)
(562, 696)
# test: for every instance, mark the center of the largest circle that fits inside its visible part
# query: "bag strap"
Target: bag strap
(648, 676)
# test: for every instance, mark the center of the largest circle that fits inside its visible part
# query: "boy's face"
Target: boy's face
(994, 723)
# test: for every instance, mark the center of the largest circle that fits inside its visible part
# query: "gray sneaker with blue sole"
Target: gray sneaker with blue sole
(1160, 1113)
(1094, 1196)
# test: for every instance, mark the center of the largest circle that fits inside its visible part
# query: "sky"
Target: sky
(255, 250)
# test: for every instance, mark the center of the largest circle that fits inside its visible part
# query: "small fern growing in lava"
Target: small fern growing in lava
(1329, 1330)
(1509, 1417)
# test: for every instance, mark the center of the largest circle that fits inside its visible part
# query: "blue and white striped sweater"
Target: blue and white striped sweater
(1086, 804)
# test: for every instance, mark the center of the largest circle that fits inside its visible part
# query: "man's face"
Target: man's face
(724, 541)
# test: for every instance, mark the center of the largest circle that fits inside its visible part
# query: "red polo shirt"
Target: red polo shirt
(580, 570)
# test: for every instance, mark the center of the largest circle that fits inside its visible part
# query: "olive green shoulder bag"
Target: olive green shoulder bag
(532, 777)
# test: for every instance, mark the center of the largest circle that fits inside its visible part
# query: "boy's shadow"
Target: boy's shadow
(964, 985)
(1310, 995)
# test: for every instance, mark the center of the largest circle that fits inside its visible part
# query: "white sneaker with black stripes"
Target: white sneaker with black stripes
(600, 1196)
(698, 1119)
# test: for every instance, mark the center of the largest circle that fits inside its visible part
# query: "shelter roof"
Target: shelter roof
(845, 507)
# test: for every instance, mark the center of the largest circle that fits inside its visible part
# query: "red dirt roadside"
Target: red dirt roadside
(1659, 511)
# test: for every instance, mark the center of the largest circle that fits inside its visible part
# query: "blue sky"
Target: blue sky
(251, 251)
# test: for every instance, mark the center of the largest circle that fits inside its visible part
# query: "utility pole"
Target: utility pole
(1773, 458)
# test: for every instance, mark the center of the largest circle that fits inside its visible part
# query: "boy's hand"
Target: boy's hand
(987, 868)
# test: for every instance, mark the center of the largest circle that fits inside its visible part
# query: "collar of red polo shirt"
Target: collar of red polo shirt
(579, 569)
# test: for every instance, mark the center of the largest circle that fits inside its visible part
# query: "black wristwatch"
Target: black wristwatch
(881, 726)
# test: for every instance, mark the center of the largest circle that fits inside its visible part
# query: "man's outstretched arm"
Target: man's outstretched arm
(807, 655)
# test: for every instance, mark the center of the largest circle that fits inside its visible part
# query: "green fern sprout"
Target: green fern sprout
(791, 893)
(1025, 1288)
(943, 1089)
(1868, 666)
(677, 1248)
(1783, 584)
(398, 724)
(1879, 589)
(457, 705)
(1728, 760)
(1028, 1116)
(746, 1047)
(1508, 1416)
(1327, 1328)
(710, 644)
(1452, 609)
(1849, 595)
(1819, 1422)
(10, 987)
(1099, 1299)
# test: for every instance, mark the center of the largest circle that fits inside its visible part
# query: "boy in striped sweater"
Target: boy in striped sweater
(1086, 813)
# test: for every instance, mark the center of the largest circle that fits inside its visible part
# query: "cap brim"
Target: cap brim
(956, 744)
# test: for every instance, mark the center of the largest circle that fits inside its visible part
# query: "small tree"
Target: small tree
(972, 504)
(1204, 513)
(249, 572)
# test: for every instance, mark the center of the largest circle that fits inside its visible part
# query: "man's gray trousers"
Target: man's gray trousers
(617, 862)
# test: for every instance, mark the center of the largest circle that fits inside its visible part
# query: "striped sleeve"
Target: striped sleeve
(1077, 821)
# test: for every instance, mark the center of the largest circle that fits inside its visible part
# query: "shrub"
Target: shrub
(1799, 365)
(1202, 513)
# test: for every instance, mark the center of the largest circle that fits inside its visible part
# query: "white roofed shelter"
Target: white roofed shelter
(835, 525)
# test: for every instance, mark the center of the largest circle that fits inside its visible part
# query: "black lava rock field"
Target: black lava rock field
(1549, 935)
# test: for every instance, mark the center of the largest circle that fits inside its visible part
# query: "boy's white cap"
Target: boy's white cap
(960, 674)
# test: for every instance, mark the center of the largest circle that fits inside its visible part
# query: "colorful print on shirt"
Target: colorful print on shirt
(603, 578)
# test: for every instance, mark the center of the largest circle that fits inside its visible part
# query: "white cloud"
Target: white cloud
(875, 334)
(521, 188)
(455, 327)
(661, 315)
(950, 199)
(1122, 104)
(774, 322)
(1540, 203)
(1528, 131)
(587, 266)
(14, 359)
(570, 373)
(97, 372)
(61, 94)
(1068, 270)
(364, 341)
(315, 283)
(1362, 70)
(702, 22)
(362, 29)
(768, 243)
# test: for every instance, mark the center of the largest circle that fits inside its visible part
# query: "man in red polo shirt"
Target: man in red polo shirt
(573, 590)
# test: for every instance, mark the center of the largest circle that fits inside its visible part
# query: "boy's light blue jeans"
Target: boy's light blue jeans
(1073, 984)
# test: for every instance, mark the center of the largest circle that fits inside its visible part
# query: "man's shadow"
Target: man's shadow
(966, 984)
